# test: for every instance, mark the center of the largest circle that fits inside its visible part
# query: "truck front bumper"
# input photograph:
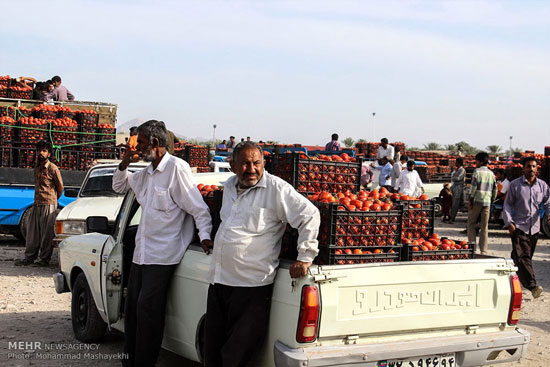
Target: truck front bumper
(469, 350)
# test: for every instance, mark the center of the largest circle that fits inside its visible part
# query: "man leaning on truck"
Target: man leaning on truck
(48, 188)
(169, 202)
(255, 210)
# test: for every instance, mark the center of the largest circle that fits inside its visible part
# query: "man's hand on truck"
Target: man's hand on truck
(298, 269)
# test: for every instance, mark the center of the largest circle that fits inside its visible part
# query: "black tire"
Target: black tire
(438, 209)
(545, 226)
(88, 326)
(22, 233)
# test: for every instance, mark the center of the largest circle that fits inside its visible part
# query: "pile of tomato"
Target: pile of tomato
(437, 248)
(64, 131)
(336, 173)
(32, 130)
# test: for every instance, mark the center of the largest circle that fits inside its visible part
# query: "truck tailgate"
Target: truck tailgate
(399, 297)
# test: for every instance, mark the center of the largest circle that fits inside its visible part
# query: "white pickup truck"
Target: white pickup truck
(440, 313)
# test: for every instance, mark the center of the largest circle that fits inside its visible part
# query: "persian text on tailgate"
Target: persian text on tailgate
(432, 297)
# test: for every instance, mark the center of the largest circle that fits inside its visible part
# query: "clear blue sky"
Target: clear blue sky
(296, 71)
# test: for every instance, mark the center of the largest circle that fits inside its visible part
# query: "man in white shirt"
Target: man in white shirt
(169, 202)
(409, 181)
(385, 168)
(386, 150)
(502, 185)
(398, 167)
(255, 210)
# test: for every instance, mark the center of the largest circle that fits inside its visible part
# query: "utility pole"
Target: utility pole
(373, 127)
(511, 145)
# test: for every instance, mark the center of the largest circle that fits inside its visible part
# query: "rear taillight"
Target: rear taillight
(309, 315)
(515, 304)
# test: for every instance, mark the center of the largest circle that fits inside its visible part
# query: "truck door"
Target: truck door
(112, 264)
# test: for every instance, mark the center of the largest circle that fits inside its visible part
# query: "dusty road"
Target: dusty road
(31, 311)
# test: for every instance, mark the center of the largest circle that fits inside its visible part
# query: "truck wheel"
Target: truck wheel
(22, 234)
(88, 326)
(546, 226)
(438, 209)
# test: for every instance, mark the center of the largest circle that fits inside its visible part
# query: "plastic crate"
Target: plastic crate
(64, 135)
(6, 155)
(46, 115)
(310, 175)
(19, 94)
(214, 201)
(341, 228)
(418, 218)
(25, 156)
(408, 254)
(86, 119)
(328, 256)
(7, 130)
(32, 134)
(3, 92)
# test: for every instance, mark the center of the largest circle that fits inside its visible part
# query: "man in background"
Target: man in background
(397, 168)
(521, 216)
(409, 182)
(457, 187)
(48, 188)
(60, 92)
(386, 150)
(483, 190)
(333, 145)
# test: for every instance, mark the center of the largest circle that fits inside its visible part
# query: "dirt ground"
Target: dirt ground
(31, 311)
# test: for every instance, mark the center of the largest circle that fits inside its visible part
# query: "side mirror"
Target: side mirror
(71, 193)
(97, 224)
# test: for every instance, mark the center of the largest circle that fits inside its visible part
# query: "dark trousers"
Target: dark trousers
(236, 324)
(144, 312)
(523, 249)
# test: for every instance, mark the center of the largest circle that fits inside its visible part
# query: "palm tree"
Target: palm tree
(432, 146)
(494, 149)
(348, 142)
(361, 140)
(467, 148)
(451, 148)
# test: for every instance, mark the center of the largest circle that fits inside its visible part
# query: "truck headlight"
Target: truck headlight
(70, 227)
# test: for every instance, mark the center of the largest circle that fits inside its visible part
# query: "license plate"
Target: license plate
(447, 360)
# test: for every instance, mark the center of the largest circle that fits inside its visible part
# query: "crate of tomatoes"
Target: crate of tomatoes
(44, 111)
(7, 130)
(3, 91)
(86, 118)
(20, 92)
(357, 225)
(436, 248)
(213, 196)
(33, 130)
(15, 112)
(64, 131)
(418, 216)
(336, 173)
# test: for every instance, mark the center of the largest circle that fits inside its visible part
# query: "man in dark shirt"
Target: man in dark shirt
(333, 144)
(521, 216)
(48, 187)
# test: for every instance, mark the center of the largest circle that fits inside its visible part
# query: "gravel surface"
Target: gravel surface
(31, 311)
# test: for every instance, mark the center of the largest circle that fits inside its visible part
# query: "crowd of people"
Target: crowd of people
(241, 281)
(47, 91)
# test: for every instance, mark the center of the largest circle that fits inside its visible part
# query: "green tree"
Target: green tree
(361, 140)
(513, 151)
(494, 149)
(432, 146)
(450, 147)
(467, 148)
(348, 142)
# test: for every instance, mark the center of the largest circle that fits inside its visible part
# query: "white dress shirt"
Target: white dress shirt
(169, 201)
(395, 173)
(409, 182)
(386, 152)
(248, 242)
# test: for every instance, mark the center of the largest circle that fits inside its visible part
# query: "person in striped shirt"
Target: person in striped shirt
(483, 190)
